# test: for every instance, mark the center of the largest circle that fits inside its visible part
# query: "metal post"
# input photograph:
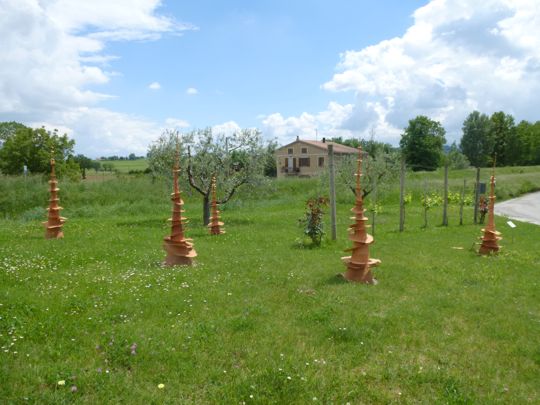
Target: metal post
(476, 195)
(332, 191)
(445, 197)
(402, 196)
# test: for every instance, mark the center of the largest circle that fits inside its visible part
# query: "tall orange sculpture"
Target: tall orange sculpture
(54, 223)
(491, 236)
(215, 225)
(359, 264)
(179, 249)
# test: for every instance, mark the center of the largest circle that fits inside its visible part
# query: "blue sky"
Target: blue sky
(249, 58)
(114, 74)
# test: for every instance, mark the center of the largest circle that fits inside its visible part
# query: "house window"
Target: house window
(303, 162)
(321, 162)
(304, 150)
(290, 151)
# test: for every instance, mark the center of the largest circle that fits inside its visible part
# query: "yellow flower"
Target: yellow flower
(161, 386)
(62, 382)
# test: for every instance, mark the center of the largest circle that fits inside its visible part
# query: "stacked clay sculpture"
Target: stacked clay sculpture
(179, 249)
(491, 236)
(359, 264)
(215, 226)
(54, 223)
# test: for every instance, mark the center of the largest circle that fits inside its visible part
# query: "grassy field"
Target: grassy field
(124, 166)
(261, 318)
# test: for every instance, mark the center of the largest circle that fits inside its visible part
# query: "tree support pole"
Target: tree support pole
(445, 198)
(402, 196)
(476, 195)
(332, 191)
(462, 202)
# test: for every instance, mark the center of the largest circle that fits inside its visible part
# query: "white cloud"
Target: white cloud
(176, 123)
(99, 131)
(53, 58)
(227, 128)
(192, 91)
(456, 57)
(154, 86)
(325, 123)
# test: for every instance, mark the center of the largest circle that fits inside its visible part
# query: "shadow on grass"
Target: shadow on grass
(238, 221)
(335, 279)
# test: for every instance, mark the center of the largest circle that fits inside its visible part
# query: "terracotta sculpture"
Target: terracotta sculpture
(54, 223)
(179, 249)
(215, 225)
(491, 236)
(359, 264)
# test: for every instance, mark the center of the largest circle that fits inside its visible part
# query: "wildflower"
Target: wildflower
(62, 382)
(161, 386)
(73, 388)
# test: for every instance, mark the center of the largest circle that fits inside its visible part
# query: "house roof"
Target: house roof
(338, 148)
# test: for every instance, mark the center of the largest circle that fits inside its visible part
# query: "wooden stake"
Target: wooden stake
(445, 197)
(476, 195)
(402, 196)
(462, 202)
(333, 224)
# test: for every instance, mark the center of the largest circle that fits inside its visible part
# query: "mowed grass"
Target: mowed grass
(262, 318)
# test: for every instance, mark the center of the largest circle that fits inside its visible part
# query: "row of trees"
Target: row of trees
(131, 156)
(484, 137)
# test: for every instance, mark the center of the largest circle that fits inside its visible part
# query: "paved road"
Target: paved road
(526, 208)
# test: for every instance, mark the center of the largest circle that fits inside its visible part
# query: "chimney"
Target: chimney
(297, 138)
(324, 140)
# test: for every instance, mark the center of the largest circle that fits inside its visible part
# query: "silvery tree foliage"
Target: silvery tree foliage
(235, 159)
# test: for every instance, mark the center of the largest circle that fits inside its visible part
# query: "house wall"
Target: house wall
(313, 153)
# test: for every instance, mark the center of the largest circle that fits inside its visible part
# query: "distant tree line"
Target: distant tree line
(131, 156)
(423, 142)
(485, 137)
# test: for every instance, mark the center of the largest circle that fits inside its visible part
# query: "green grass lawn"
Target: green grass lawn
(261, 318)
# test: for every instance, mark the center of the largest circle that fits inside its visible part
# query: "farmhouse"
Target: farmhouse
(306, 158)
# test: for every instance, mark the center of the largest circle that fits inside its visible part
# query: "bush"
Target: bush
(312, 222)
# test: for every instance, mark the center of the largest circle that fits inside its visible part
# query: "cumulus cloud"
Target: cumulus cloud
(53, 58)
(154, 86)
(456, 57)
(99, 131)
(326, 123)
(227, 128)
(176, 123)
(192, 91)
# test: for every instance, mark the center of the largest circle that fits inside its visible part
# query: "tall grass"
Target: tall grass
(122, 194)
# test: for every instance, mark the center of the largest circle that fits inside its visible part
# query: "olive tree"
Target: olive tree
(236, 160)
(378, 171)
